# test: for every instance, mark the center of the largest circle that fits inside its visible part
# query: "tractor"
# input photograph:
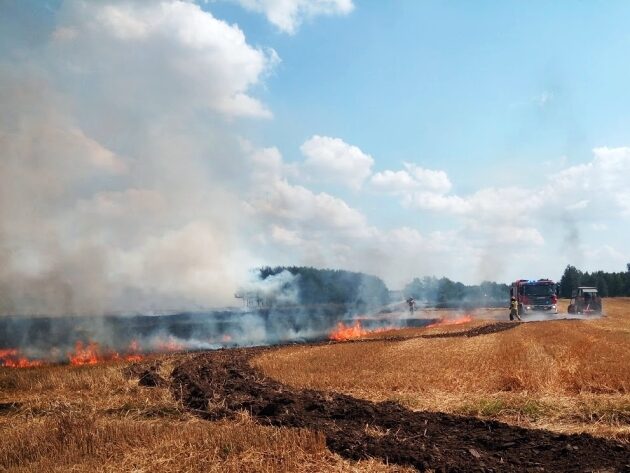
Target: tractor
(585, 300)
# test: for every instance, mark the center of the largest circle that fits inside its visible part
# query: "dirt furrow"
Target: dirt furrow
(218, 384)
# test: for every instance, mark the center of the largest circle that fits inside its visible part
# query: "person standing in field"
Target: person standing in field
(412, 305)
(514, 309)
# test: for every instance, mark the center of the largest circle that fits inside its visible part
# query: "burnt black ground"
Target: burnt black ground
(218, 384)
(476, 331)
(51, 338)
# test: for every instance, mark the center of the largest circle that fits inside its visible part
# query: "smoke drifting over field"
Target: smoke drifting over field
(130, 181)
(125, 185)
(113, 196)
(279, 306)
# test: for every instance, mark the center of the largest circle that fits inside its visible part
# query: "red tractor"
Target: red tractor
(535, 295)
(585, 300)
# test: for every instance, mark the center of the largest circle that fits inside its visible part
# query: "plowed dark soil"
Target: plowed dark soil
(218, 384)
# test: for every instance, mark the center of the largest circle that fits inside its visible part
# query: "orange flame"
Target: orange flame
(11, 358)
(348, 332)
(457, 321)
(133, 352)
(92, 354)
(83, 354)
(169, 345)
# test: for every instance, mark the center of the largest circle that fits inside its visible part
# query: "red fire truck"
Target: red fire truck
(535, 295)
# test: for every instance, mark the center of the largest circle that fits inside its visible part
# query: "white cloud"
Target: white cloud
(305, 227)
(412, 178)
(451, 204)
(429, 180)
(519, 220)
(332, 159)
(287, 15)
(171, 50)
(302, 208)
(504, 234)
(605, 256)
(393, 181)
(599, 186)
(489, 224)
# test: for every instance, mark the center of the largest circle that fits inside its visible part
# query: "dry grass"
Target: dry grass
(569, 376)
(61, 418)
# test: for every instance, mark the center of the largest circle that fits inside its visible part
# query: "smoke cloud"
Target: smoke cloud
(114, 194)
(128, 184)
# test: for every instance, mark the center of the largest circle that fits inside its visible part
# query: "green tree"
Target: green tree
(570, 280)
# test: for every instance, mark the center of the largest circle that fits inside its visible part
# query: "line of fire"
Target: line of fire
(282, 306)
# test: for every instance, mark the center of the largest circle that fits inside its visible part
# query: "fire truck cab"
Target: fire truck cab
(535, 295)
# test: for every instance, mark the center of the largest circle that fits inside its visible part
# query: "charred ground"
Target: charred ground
(222, 383)
(481, 396)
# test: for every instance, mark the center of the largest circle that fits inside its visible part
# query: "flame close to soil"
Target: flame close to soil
(91, 354)
(11, 358)
(356, 330)
(169, 345)
(349, 332)
(457, 321)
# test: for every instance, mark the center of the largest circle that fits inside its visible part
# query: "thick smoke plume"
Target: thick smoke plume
(279, 306)
(114, 195)
(128, 184)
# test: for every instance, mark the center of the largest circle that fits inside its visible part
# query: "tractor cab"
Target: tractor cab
(585, 300)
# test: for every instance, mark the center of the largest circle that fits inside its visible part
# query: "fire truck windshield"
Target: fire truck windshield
(539, 290)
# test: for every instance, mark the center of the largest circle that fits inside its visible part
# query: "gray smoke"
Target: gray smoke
(114, 195)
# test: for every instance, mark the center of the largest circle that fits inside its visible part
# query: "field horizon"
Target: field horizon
(563, 376)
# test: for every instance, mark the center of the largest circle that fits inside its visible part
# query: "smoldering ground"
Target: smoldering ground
(279, 308)
(126, 185)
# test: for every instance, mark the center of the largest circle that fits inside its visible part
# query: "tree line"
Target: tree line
(333, 286)
(361, 291)
(443, 292)
(607, 284)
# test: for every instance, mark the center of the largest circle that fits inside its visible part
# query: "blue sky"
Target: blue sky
(404, 78)
(487, 91)
(493, 93)
(474, 140)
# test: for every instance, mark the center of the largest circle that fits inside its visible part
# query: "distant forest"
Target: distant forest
(446, 293)
(359, 291)
(607, 284)
(333, 286)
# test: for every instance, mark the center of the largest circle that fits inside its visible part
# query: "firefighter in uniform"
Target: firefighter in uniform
(412, 305)
(514, 309)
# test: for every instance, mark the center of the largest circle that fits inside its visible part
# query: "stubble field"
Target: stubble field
(562, 376)
(98, 418)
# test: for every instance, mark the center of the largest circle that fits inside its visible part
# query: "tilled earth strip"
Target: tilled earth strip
(218, 384)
